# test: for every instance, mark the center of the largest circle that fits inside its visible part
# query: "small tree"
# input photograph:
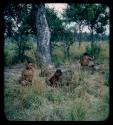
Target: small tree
(75, 13)
(68, 39)
(16, 17)
(96, 18)
(55, 26)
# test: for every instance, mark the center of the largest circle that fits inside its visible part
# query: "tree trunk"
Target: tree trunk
(51, 48)
(19, 43)
(43, 37)
(80, 31)
(80, 26)
(68, 54)
(92, 41)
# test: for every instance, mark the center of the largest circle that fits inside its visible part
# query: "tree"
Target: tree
(43, 36)
(75, 13)
(68, 42)
(55, 26)
(96, 18)
(16, 17)
(22, 17)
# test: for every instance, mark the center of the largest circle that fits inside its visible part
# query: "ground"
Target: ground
(86, 99)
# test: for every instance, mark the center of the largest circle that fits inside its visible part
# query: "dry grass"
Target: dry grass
(85, 98)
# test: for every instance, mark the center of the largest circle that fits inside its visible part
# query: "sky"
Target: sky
(59, 7)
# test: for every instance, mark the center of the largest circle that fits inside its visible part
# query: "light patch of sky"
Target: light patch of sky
(59, 7)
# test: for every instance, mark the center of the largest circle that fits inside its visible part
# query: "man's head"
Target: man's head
(86, 54)
(58, 72)
(29, 65)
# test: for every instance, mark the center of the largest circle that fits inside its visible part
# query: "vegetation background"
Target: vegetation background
(87, 96)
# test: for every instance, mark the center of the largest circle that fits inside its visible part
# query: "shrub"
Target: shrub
(106, 78)
(57, 60)
(9, 52)
(97, 50)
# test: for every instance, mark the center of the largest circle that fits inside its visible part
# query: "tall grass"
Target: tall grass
(84, 98)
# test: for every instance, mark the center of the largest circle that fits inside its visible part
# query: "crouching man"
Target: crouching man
(85, 60)
(54, 79)
(27, 75)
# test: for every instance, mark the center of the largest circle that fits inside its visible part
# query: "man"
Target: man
(27, 74)
(55, 78)
(84, 61)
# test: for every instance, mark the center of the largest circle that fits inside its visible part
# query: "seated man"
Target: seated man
(55, 78)
(27, 74)
(84, 61)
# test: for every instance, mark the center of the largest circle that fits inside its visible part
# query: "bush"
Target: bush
(11, 53)
(106, 78)
(57, 60)
(97, 50)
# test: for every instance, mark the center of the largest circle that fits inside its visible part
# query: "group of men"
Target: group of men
(28, 72)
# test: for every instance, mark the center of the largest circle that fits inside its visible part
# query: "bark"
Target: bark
(92, 41)
(91, 28)
(19, 43)
(66, 52)
(51, 48)
(43, 37)
(80, 31)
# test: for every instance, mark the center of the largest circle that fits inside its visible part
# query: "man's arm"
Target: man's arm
(91, 58)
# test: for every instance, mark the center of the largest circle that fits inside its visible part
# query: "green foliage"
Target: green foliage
(17, 15)
(75, 13)
(55, 25)
(96, 52)
(12, 54)
(96, 18)
(106, 78)
(57, 60)
(81, 100)
(9, 53)
(94, 14)
(58, 55)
